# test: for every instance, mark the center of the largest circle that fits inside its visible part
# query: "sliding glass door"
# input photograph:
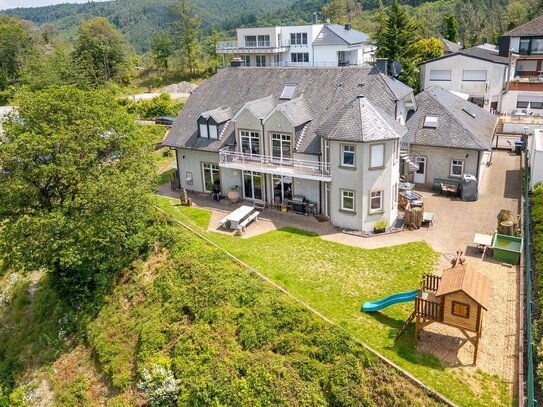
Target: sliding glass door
(252, 185)
(282, 188)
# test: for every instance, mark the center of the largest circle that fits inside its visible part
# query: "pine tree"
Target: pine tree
(187, 31)
(451, 28)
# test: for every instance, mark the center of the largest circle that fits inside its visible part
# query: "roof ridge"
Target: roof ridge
(380, 116)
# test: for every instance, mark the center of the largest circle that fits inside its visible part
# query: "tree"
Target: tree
(396, 41)
(16, 42)
(162, 48)
(451, 28)
(213, 59)
(73, 196)
(378, 36)
(100, 51)
(425, 49)
(187, 31)
(341, 11)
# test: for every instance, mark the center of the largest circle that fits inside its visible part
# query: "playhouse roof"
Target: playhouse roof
(464, 278)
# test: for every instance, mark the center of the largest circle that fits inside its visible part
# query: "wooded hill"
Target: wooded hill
(139, 19)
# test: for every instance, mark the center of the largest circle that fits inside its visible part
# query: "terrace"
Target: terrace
(250, 47)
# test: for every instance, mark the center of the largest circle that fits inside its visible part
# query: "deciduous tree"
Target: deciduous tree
(450, 28)
(187, 31)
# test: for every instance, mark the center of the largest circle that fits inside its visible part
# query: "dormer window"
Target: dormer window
(213, 131)
(212, 122)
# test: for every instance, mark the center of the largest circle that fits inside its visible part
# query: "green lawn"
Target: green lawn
(336, 279)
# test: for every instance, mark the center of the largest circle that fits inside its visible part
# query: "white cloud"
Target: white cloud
(5, 4)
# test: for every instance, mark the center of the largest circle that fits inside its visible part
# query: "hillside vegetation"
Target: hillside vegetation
(188, 323)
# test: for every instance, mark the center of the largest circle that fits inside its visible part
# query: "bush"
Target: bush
(162, 105)
(161, 387)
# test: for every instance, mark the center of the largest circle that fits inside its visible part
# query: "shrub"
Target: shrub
(161, 387)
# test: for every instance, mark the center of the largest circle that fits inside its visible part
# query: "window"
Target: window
(250, 142)
(299, 57)
(522, 104)
(282, 188)
(376, 201)
(394, 194)
(250, 40)
(320, 36)
(440, 75)
(257, 41)
(341, 58)
(473, 75)
(524, 46)
(298, 39)
(211, 176)
(529, 102)
(203, 130)
(281, 146)
(213, 131)
(288, 92)
(529, 46)
(430, 122)
(457, 168)
(246, 60)
(276, 60)
(347, 155)
(459, 309)
(377, 156)
(347, 200)
(396, 150)
(260, 60)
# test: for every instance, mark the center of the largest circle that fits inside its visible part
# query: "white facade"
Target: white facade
(536, 158)
(482, 80)
(293, 46)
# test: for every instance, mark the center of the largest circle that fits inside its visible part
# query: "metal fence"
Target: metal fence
(530, 391)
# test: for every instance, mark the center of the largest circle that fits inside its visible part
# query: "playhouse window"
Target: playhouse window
(459, 309)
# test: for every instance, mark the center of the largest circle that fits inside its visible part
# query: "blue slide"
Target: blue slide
(372, 306)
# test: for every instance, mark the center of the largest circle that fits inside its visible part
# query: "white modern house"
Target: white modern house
(324, 45)
(326, 136)
(479, 72)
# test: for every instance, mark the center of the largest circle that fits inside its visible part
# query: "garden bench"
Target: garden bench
(243, 225)
(438, 181)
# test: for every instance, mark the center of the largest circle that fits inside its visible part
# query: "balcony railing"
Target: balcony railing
(250, 45)
(308, 169)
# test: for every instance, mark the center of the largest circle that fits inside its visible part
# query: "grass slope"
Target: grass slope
(336, 279)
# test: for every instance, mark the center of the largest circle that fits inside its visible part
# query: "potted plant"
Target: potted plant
(233, 194)
(380, 226)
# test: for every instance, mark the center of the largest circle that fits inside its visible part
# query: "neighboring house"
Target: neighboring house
(448, 137)
(324, 45)
(525, 90)
(328, 134)
(449, 47)
(479, 72)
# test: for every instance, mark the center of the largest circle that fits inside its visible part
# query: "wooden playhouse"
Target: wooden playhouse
(458, 298)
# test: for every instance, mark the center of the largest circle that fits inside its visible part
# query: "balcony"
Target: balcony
(290, 167)
(534, 83)
(251, 47)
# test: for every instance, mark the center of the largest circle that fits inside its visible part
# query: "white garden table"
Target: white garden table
(236, 217)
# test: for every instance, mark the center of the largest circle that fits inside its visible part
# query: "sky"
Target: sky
(4, 4)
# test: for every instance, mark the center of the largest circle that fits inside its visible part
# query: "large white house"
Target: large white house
(329, 135)
(324, 45)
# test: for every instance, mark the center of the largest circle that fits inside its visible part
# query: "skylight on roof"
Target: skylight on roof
(430, 122)
(469, 113)
(320, 36)
(288, 91)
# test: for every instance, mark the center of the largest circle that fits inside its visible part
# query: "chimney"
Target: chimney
(381, 65)
(315, 18)
(347, 26)
(236, 62)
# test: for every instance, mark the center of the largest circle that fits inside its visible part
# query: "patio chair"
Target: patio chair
(259, 205)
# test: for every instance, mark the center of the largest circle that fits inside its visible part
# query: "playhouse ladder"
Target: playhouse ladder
(405, 325)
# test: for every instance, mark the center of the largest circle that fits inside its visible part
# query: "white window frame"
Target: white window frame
(214, 171)
(213, 132)
(474, 75)
(298, 39)
(394, 195)
(440, 75)
(246, 60)
(251, 136)
(344, 148)
(347, 194)
(396, 151)
(260, 60)
(380, 164)
(377, 194)
(299, 57)
(203, 130)
(457, 163)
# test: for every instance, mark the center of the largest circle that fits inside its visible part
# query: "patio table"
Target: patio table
(237, 216)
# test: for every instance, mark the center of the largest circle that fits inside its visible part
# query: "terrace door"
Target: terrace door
(252, 185)
(281, 148)
(420, 174)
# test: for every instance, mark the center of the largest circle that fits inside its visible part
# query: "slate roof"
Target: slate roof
(533, 27)
(335, 34)
(449, 46)
(455, 127)
(363, 122)
(464, 278)
(220, 114)
(296, 110)
(484, 53)
(260, 107)
(326, 94)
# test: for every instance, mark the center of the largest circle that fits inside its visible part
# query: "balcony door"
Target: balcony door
(281, 147)
(212, 176)
(252, 185)
(282, 188)
(249, 142)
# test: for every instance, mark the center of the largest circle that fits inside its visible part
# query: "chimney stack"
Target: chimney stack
(315, 18)
(347, 26)
(382, 65)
